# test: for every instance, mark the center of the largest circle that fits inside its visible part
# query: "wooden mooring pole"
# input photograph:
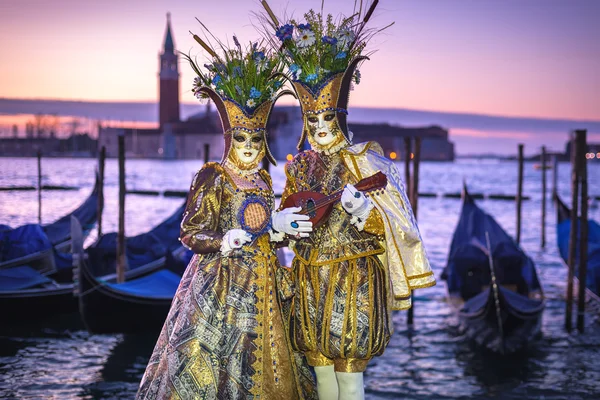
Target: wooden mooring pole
(543, 162)
(206, 153)
(408, 152)
(415, 176)
(583, 228)
(39, 168)
(520, 193)
(414, 200)
(554, 177)
(409, 188)
(101, 164)
(121, 257)
(575, 155)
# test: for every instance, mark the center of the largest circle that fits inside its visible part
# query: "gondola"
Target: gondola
(141, 303)
(563, 228)
(493, 286)
(35, 275)
(39, 246)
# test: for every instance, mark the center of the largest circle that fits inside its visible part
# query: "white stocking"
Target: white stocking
(351, 385)
(327, 384)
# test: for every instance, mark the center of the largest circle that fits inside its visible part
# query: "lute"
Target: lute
(318, 206)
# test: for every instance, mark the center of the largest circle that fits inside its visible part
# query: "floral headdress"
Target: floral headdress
(243, 83)
(321, 56)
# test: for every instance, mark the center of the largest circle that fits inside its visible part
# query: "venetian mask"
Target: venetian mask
(323, 130)
(248, 148)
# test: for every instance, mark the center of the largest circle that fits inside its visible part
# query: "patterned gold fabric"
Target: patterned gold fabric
(339, 311)
(225, 337)
(405, 259)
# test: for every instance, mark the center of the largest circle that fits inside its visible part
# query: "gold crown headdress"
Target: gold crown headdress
(243, 84)
(235, 117)
(322, 58)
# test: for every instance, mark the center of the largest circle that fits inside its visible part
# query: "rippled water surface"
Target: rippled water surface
(429, 360)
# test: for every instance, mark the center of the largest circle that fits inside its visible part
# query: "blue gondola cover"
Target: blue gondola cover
(22, 277)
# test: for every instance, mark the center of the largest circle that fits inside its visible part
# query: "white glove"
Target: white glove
(357, 205)
(234, 239)
(289, 222)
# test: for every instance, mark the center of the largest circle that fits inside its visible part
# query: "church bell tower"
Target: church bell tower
(168, 106)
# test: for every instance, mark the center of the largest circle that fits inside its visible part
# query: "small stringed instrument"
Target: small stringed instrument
(318, 206)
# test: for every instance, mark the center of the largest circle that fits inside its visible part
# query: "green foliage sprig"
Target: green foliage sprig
(246, 75)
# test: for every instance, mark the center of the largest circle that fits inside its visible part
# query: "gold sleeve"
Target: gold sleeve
(290, 185)
(199, 228)
(374, 223)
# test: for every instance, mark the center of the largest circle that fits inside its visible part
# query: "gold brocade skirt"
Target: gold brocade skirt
(225, 337)
(339, 313)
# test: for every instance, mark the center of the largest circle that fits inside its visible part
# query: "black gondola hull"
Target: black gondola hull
(44, 303)
(513, 329)
(106, 310)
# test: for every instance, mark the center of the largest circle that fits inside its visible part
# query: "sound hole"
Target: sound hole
(310, 208)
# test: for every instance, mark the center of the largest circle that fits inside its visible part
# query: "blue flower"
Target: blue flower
(293, 68)
(277, 84)
(239, 90)
(285, 32)
(329, 40)
(217, 79)
(311, 77)
(340, 55)
(258, 56)
(237, 71)
(221, 68)
(304, 27)
(254, 93)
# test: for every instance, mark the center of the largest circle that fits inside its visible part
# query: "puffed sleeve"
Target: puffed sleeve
(199, 228)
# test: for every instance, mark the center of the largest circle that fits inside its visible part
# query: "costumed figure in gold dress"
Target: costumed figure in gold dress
(224, 337)
(364, 260)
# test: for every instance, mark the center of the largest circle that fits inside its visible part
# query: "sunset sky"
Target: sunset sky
(533, 58)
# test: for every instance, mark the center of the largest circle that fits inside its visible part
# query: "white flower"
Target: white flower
(305, 38)
(344, 37)
(197, 81)
(251, 103)
(198, 95)
(272, 94)
(262, 65)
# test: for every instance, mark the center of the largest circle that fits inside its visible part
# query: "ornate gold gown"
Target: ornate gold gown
(339, 312)
(224, 337)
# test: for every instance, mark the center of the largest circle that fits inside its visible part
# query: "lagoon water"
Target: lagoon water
(429, 360)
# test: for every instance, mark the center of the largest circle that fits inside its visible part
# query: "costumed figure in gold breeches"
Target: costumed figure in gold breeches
(367, 256)
(224, 337)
